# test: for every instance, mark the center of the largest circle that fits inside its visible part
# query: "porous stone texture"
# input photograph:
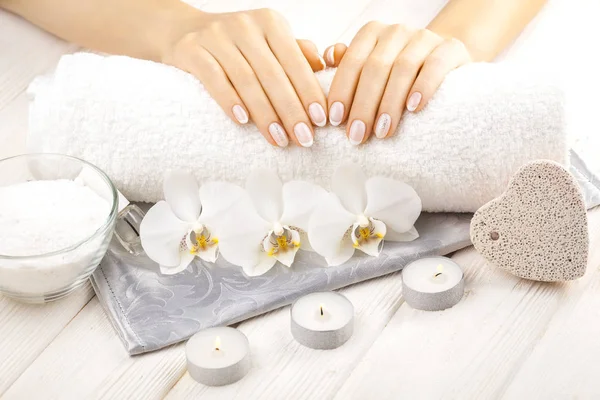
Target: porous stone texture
(538, 228)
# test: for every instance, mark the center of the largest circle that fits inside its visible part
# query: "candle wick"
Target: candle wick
(438, 274)
(321, 310)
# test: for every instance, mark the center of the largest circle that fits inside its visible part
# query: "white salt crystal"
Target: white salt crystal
(39, 217)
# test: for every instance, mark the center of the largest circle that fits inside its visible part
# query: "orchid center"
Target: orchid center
(283, 246)
(368, 238)
(199, 240)
(363, 221)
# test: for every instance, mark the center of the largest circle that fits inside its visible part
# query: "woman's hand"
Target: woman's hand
(255, 69)
(385, 69)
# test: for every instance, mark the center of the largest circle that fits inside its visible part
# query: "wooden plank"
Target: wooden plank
(475, 349)
(87, 356)
(282, 368)
(26, 330)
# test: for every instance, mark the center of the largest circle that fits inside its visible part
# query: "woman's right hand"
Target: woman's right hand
(255, 69)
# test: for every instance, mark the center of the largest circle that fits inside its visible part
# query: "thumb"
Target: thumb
(310, 51)
(334, 54)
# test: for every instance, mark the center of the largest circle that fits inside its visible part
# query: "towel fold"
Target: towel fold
(136, 119)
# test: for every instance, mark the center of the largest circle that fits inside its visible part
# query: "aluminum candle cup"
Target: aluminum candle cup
(432, 284)
(218, 356)
(323, 320)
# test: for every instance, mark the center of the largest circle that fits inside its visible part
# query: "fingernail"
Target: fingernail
(303, 134)
(357, 132)
(278, 134)
(330, 55)
(240, 114)
(336, 113)
(317, 114)
(383, 125)
(413, 101)
(322, 61)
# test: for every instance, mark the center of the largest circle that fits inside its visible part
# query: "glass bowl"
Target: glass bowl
(51, 276)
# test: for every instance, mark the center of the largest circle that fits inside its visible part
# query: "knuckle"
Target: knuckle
(243, 20)
(408, 62)
(435, 61)
(369, 28)
(377, 62)
(353, 61)
(398, 28)
(268, 14)
(424, 34)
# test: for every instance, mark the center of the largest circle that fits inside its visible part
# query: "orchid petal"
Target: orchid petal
(349, 185)
(299, 201)
(217, 198)
(161, 233)
(181, 192)
(393, 202)
(210, 254)
(265, 190)
(407, 236)
(345, 252)
(264, 264)
(369, 239)
(186, 260)
(284, 247)
(304, 242)
(327, 226)
(240, 233)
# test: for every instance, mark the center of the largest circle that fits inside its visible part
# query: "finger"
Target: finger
(251, 92)
(279, 91)
(334, 54)
(449, 55)
(299, 72)
(404, 72)
(311, 53)
(372, 82)
(346, 77)
(207, 69)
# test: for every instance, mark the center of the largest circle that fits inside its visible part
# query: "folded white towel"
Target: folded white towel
(136, 119)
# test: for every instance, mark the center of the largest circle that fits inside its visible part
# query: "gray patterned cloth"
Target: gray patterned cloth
(150, 311)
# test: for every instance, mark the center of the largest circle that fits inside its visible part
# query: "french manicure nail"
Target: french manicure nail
(330, 55)
(336, 113)
(413, 101)
(357, 132)
(322, 61)
(303, 134)
(240, 114)
(383, 125)
(317, 114)
(278, 134)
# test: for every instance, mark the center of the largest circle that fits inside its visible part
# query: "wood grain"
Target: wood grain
(473, 350)
(508, 337)
(26, 330)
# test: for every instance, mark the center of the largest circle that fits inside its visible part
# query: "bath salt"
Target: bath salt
(39, 217)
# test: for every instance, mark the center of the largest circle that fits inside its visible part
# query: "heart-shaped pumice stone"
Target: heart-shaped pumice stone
(538, 228)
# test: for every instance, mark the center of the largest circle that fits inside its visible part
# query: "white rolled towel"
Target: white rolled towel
(136, 119)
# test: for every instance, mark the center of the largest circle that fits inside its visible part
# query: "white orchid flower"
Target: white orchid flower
(183, 227)
(361, 213)
(270, 224)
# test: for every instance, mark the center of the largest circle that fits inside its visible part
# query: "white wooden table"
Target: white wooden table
(508, 337)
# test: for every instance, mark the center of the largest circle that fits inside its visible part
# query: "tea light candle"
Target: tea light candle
(323, 320)
(218, 356)
(432, 284)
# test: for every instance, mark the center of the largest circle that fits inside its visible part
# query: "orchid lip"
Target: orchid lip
(198, 241)
(283, 247)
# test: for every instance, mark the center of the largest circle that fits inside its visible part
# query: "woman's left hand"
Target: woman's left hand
(385, 69)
